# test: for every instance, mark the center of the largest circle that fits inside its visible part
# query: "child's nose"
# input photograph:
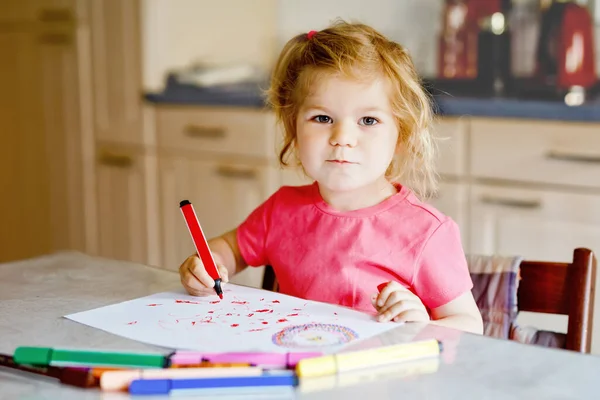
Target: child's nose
(343, 135)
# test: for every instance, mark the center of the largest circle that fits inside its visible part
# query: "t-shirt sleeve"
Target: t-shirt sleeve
(441, 272)
(252, 234)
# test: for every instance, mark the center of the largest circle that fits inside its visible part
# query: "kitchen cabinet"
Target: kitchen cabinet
(543, 224)
(122, 204)
(223, 194)
(452, 200)
(41, 156)
(116, 71)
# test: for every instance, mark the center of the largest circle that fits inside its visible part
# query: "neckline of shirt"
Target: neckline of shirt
(322, 205)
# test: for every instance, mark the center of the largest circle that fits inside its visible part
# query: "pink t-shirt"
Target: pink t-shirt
(319, 253)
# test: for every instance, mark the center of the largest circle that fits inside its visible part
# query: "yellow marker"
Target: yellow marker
(342, 362)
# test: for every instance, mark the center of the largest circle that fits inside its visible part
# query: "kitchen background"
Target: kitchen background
(112, 111)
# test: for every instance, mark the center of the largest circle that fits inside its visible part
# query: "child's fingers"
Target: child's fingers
(386, 291)
(192, 285)
(412, 315)
(400, 310)
(194, 266)
(395, 298)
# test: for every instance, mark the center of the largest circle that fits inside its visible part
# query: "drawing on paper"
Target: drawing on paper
(314, 335)
(247, 319)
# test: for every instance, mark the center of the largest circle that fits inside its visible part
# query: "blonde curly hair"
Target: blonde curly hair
(359, 51)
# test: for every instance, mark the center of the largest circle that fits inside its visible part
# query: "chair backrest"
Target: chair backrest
(562, 288)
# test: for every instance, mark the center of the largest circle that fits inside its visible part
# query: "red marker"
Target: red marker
(201, 244)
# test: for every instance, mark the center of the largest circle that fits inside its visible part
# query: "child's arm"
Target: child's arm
(399, 304)
(229, 262)
(461, 313)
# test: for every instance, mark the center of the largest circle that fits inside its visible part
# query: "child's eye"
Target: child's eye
(322, 119)
(368, 121)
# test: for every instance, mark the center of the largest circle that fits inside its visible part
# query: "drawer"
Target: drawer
(451, 134)
(221, 130)
(45, 11)
(541, 152)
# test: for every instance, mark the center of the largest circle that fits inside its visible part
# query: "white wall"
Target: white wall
(413, 23)
(176, 33)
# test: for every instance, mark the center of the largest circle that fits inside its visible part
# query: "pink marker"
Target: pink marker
(279, 360)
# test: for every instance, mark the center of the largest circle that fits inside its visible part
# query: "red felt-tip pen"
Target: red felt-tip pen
(201, 244)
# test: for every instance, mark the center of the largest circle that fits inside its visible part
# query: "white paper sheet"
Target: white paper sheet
(246, 320)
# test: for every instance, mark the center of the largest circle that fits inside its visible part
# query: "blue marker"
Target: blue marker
(166, 386)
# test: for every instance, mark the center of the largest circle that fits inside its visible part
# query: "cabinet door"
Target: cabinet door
(123, 221)
(65, 138)
(223, 194)
(116, 71)
(452, 200)
(41, 158)
(538, 225)
(25, 228)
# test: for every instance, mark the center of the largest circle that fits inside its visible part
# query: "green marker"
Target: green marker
(88, 358)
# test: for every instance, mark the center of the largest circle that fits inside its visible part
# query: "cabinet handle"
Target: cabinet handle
(55, 38)
(514, 203)
(116, 160)
(204, 132)
(581, 158)
(237, 173)
(55, 15)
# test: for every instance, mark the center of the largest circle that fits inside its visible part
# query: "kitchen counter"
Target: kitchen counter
(251, 95)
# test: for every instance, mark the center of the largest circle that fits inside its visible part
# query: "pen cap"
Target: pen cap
(318, 366)
(33, 355)
(294, 358)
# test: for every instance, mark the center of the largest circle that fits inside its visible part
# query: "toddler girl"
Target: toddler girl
(356, 120)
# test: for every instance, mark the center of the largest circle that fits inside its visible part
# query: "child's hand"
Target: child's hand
(196, 280)
(399, 304)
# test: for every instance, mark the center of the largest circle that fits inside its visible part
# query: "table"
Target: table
(36, 293)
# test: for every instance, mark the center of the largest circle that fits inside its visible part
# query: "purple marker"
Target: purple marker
(276, 360)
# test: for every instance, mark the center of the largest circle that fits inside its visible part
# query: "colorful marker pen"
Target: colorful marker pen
(201, 244)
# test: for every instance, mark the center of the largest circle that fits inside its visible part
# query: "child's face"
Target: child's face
(346, 132)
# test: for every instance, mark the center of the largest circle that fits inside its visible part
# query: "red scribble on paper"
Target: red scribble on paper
(265, 323)
(187, 302)
(228, 314)
(211, 311)
(293, 315)
(193, 323)
(132, 323)
(276, 301)
(166, 324)
(251, 314)
(257, 330)
(282, 320)
(235, 325)
(239, 302)
(266, 310)
(154, 305)
(215, 302)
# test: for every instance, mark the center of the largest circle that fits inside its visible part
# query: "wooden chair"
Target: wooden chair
(562, 288)
(547, 287)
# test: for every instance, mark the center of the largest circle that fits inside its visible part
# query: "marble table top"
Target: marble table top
(35, 294)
